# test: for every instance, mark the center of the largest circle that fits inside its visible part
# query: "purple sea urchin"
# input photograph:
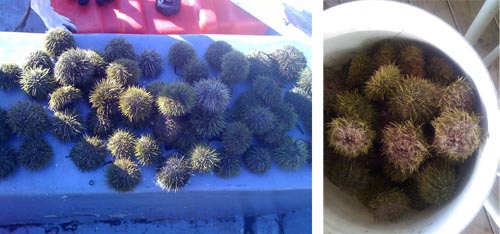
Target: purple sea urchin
(88, 153)
(214, 53)
(267, 89)
(180, 53)
(64, 97)
(291, 155)
(229, 165)
(236, 138)
(40, 59)
(121, 144)
(147, 150)
(204, 158)
(35, 153)
(27, 118)
(404, 146)
(8, 161)
(389, 205)
(291, 61)
(195, 70)
(150, 63)
(136, 104)
(257, 159)
(123, 175)
(10, 74)
(105, 97)
(411, 61)
(457, 134)
(174, 173)
(436, 182)
(458, 95)
(414, 99)
(124, 71)
(380, 84)
(75, 68)
(177, 99)
(234, 67)
(37, 83)
(57, 41)
(212, 96)
(118, 48)
(67, 125)
(349, 137)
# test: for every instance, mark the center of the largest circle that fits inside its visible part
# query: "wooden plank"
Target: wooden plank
(480, 225)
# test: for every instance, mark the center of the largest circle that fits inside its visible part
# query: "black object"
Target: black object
(101, 2)
(168, 7)
(83, 2)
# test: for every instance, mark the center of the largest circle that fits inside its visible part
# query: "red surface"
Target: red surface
(141, 17)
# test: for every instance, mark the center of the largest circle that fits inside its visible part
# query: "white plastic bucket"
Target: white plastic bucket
(351, 27)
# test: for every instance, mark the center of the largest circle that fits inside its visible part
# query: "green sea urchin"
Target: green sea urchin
(186, 139)
(259, 119)
(105, 97)
(257, 159)
(212, 96)
(405, 146)
(304, 84)
(380, 84)
(99, 125)
(204, 158)
(411, 61)
(99, 65)
(10, 74)
(436, 182)
(229, 165)
(349, 137)
(214, 53)
(37, 83)
(124, 71)
(5, 131)
(303, 107)
(88, 153)
(385, 53)
(166, 128)
(292, 154)
(180, 53)
(147, 150)
(439, 70)
(414, 99)
(195, 70)
(27, 118)
(136, 104)
(64, 97)
(234, 67)
(389, 205)
(35, 153)
(267, 89)
(123, 175)
(174, 173)
(176, 100)
(8, 161)
(262, 64)
(208, 125)
(150, 63)
(291, 61)
(121, 144)
(457, 134)
(353, 105)
(157, 87)
(118, 48)
(236, 138)
(75, 68)
(57, 41)
(67, 125)
(40, 59)
(360, 70)
(458, 95)
(286, 116)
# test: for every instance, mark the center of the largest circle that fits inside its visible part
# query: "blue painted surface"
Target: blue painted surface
(61, 191)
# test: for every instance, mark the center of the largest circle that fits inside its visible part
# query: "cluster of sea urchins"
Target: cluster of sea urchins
(187, 117)
(400, 122)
